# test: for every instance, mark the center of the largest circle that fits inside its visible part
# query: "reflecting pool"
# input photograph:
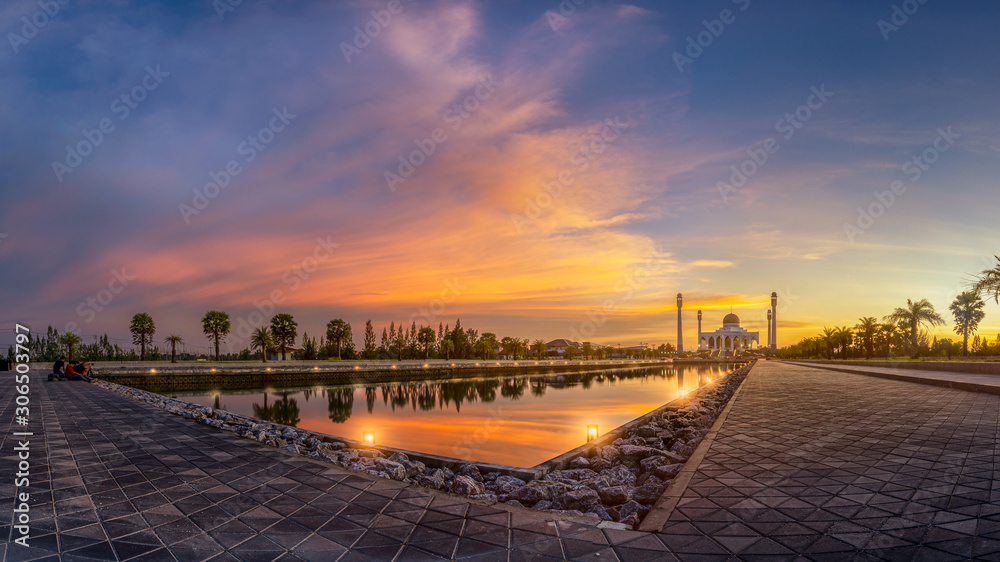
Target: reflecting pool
(514, 420)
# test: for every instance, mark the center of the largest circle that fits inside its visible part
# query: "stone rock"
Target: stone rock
(465, 486)
(614, 495)
(649, 463)
(491, 476)
(579, 462)
(646, 431)
(571, 474)
(667, 471)
(619, 475)
(599, 463)
(601, 512)
(369, 453)
(470, 470)
(435, 478)
(630, 507)
(412, 468)
(514, 502)
(649, 491)
(543, 505)
(611, 453)
(538, 490)
(583, 499)
(638, 452)
(631, 520)
(399, 457)
(395, 470)
(507, 484)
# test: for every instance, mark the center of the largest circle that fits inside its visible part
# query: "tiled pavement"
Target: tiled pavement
(837, 466)
(116, 479)
(829, 466)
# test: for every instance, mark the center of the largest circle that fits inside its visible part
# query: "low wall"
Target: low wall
(168, 380)
(973, 367)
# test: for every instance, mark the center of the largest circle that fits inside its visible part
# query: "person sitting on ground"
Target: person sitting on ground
(75, 371)
(57, 370)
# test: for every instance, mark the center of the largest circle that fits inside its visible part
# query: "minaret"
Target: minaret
(680, 330)
(769, 328)
(774, 322)
(699, 330)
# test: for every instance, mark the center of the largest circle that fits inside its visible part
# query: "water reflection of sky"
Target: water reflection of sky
(520, 421)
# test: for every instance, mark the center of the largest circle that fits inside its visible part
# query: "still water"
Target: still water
(517, 420)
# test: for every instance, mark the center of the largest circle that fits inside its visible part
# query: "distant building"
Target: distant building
(728, 340)
(558, 347)
(275, 354)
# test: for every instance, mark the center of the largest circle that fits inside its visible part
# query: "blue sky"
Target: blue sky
(652, 191)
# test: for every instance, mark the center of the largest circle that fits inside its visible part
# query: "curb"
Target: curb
(959, 385)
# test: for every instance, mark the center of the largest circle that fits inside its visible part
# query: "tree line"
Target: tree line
(902, 332)
(397, 342)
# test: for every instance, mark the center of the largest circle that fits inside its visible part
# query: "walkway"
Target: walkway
(115, 479)
(966, 381)
(834, 465)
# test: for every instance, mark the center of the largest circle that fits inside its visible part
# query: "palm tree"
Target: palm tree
(173, 341)
(844, 339)
(337, 331)
(913, 316)
(890, 334)
(867, 327)
(215, 325)
(283, 331)
(261, 339)
(70, 340)
(539, 347)
(447, 347)
(968, 311)
(829, 337)
(142, 329)
(988, 281)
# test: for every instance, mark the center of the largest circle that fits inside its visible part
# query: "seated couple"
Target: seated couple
(74, 370)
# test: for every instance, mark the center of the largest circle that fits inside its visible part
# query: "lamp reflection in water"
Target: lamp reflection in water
(368, 436)
(591, 432)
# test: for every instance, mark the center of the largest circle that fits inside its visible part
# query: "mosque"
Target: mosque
(731, 339)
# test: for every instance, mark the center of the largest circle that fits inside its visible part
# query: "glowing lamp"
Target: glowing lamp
(356, 367)
(591, 432)
(268, 369)
(683, 392)
(213, 370)
(426, 365)
(315, 368)
(393, 366)
(368, 436)
(452, 364)
(152, 371)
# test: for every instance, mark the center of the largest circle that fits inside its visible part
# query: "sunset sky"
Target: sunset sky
(577, 161)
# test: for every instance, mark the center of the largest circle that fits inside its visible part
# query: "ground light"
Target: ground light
(152, 371)
(591, 432)
(213, 370)
(368, 436)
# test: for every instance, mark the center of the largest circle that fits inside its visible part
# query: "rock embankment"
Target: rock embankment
(619, 481)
